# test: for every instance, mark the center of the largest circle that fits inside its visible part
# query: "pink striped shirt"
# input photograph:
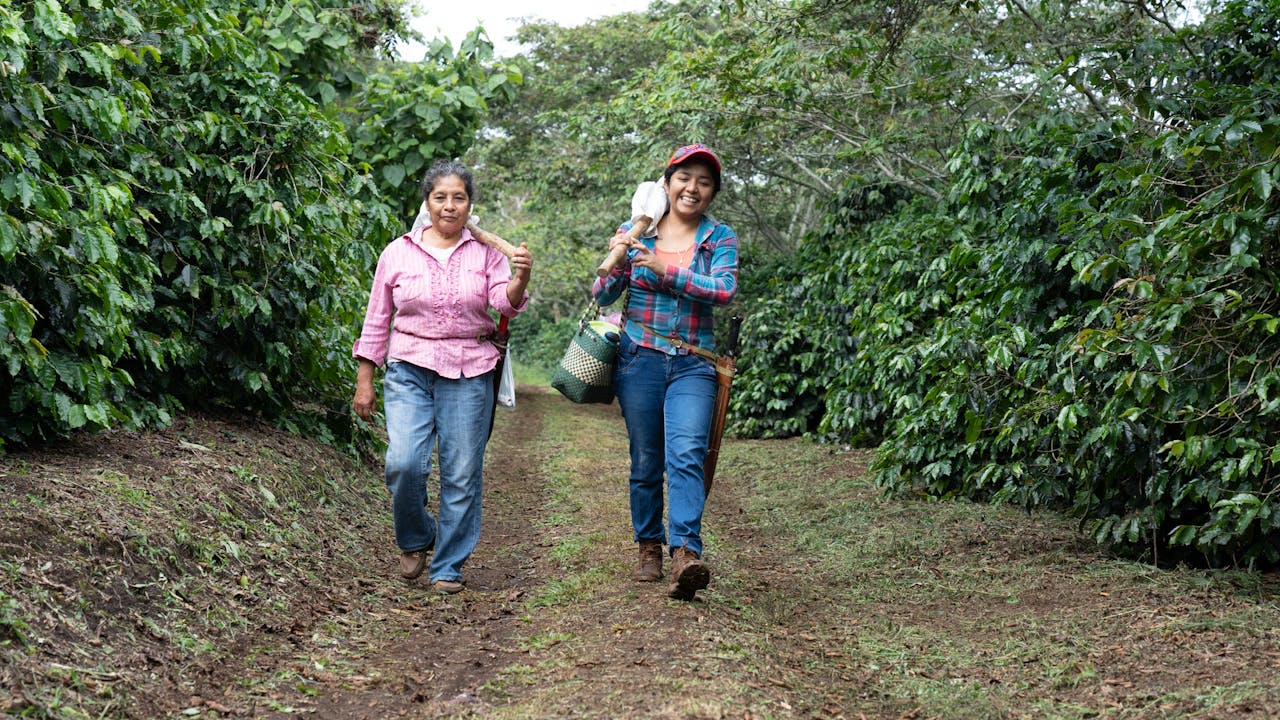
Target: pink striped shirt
(433, 315)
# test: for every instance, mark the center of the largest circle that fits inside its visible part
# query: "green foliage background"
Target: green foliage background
(1033, 273)
(192, 196)
(1083, 317)
(1025, 250)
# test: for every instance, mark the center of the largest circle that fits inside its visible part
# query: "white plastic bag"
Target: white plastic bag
(507, 384)
(423, 217)
(650, 200)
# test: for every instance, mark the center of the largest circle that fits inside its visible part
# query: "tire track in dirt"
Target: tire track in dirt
(552, 623)
(621, 649)
(828, 600)
(398, 649)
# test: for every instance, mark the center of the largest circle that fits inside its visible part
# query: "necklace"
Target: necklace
(683, 257)
(681, 260)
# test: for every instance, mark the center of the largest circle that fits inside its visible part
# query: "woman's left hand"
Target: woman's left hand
(647, 258)
(521, 262)
(521, 266)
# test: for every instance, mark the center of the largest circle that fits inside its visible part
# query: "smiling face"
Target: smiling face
(449, 205)
(690, 188)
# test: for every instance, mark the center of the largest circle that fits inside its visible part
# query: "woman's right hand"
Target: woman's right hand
(620, 239)
(363, 403)
(365, 400)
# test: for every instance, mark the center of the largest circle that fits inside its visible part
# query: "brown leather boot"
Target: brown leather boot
(650, 568)
(688, 574)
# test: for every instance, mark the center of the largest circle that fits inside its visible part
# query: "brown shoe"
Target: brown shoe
(413, 563)
(447, 587)
(650, 567)
(688, 574)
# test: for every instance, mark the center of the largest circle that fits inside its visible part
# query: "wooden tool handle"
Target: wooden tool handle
(638, 225)
(492, 240)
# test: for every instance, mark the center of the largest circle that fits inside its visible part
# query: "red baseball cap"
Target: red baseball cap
(689, 152)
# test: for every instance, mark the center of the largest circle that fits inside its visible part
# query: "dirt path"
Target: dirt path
(222, 568)
(833, 603)
(399, 649)
(550, 618)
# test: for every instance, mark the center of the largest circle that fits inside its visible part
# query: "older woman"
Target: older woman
(427, 319)
(673, 278)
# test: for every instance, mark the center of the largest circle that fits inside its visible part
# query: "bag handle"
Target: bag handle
(593, 310)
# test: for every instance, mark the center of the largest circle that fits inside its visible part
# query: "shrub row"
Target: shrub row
(192, 195)
(1087, 322)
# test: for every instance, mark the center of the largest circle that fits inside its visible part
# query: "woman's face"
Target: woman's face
(449, 205)
(690, 189)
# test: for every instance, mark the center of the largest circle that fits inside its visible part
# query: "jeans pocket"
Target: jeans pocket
(622, 366)
(628, 351)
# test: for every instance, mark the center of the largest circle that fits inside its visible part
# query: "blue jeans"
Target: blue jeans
(422, 407)
(667, 401)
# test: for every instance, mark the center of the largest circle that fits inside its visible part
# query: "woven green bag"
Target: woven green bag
(585, 373)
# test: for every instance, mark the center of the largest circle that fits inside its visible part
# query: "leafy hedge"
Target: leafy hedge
(192, 198)
(1087, 322)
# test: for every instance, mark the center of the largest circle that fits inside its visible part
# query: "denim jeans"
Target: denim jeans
(667, 401)
(422, 407)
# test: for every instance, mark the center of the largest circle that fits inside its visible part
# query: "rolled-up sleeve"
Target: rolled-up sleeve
(607, 289)
(499, 272)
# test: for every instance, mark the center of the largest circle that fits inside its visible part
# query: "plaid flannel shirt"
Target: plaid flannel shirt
(680, 303)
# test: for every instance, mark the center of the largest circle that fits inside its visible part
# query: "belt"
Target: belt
(679, 343)
(491, 336)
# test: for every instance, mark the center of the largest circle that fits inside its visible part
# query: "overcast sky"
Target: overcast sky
(500, 18)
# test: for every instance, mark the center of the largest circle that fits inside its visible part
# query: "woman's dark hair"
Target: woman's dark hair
(445, 168)
(715, 174)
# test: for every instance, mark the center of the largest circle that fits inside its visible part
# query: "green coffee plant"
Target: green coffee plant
(1087, 321)
(182, 221)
